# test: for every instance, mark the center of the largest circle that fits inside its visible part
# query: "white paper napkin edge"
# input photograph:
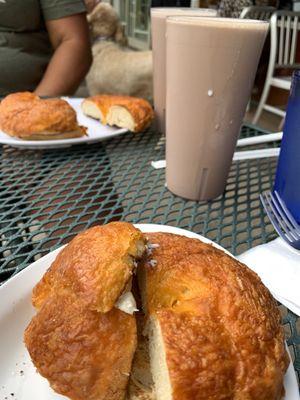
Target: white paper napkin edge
(287, 303)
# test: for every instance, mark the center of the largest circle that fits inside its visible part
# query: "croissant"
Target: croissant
(26, 116)
(132, 113)
(79, 340)
(214, 329)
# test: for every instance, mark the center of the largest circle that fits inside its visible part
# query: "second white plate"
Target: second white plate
(18, 377)
(96, 132)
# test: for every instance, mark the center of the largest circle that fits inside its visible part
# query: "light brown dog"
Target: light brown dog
(116, 69)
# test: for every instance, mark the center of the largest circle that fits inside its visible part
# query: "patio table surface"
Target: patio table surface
(47, 196)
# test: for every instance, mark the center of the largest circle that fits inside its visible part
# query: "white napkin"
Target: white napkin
(278, 266)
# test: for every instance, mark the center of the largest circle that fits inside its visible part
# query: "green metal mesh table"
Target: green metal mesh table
(46, 197)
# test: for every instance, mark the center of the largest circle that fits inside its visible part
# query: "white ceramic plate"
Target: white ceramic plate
(96, 132)
(17, 373)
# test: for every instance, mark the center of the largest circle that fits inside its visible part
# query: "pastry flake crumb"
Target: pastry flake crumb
(152, 263)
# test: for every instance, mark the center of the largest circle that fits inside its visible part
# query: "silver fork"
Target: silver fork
(282, 220)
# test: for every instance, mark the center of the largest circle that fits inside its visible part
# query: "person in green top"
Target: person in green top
(44, 46)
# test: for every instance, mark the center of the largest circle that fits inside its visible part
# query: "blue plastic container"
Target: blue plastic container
(287, 182)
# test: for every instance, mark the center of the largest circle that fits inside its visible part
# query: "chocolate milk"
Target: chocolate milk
(158, 27)
(211, 66)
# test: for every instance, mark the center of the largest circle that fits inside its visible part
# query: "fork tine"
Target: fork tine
(267, 203)
(282, 217)
(270, 214)
(288, 214)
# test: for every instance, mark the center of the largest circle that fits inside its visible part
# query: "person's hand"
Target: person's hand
(91, 4)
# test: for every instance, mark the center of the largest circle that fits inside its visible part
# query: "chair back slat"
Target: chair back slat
(294, 41)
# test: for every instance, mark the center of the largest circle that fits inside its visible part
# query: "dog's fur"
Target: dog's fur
(116, 69)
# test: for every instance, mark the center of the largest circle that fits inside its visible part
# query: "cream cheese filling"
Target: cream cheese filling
(126, 303)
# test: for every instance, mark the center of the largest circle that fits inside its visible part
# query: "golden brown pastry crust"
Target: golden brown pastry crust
(97, 263)
(26, 116)
(78, 340)
(84, 354)
(220, 324)
(140, 109)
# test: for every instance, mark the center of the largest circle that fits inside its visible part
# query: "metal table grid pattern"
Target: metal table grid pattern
(47, 196)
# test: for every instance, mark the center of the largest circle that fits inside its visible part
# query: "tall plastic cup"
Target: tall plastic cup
(158, 28)
(211, 66)
(287, 182)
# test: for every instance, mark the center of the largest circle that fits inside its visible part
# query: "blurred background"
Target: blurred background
(135, 14)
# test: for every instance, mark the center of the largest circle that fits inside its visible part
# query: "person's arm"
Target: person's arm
(72, 56)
